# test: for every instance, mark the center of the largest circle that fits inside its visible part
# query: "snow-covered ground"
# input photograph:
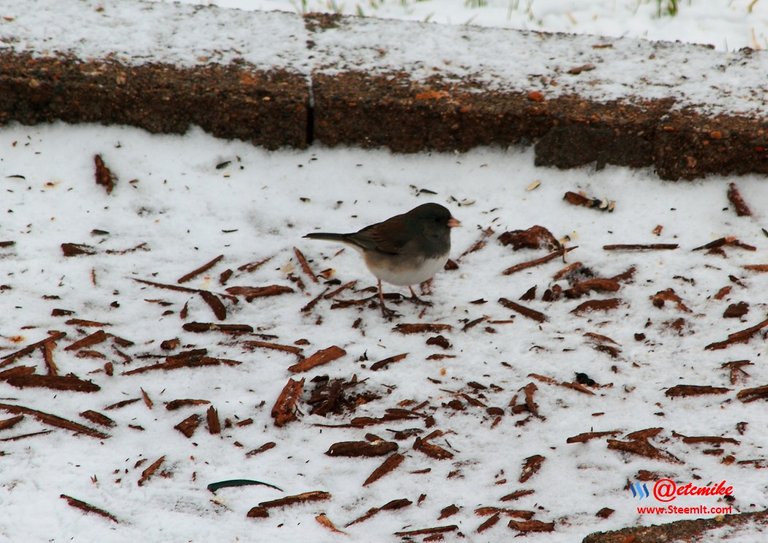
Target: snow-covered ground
(726, 24)
(181, 201)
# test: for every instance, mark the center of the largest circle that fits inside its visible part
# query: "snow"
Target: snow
(725, 24)
(171, 196)
(190, 198)
(494, 59)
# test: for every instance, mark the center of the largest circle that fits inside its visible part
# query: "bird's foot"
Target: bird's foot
(418, 301)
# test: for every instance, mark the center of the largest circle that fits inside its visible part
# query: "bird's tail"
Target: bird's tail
(327, 236)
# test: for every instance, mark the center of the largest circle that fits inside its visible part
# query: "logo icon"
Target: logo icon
(639, 490)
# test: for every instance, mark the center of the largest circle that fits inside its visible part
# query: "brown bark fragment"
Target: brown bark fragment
(742, 336)
(304, 497)
(428, 531)
(736, 373)
(517, 494)
(251, 293)
(177, 404)
(596, 305)
(188, 425)
(739, 205)
(641, 447)
(53, 420)
(284, 410)
(586, 436)
(387, 361)
(50, 363)
(747, 395)
(422, 328)
(263, 448)
(55, 382)
(694, 390)
(362, 448)
(150, 471)
(104, 175)
(212, 418)
(531, 466)
(324, 521)
(10, 358)
(6, 424)
(256, 344)
(527, 526)
(534, 237)
(389, 506)
(76, 249)
(448, 511)
(388, 466)
(87, 507)
(524, 311)
(98, 418)
(199, 327)
(215, 303)
(640, 247)
(538, 261)
(323, 356)
(490, 522)
(432, 450)
(305, 267)
(17, 371)
(202, 269)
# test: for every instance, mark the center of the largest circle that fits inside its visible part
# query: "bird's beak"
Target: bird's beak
(453, 222)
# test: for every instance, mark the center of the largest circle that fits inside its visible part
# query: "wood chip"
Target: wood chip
(387, 361)
(212, 418)
(77, 249)
(304, 497)
(98, 418)
(88, 341)
(104, 175)
(188, 425)
(535, 237)
(448, 511)
(751, 394)
(642, 447)
(55, 382)
(187, 359)
(428, 531)
(362, 448)
(53, 420)
(48, 348)
(678, 391)
(527, 526)
(388, 466)
(432, 450)
(668, 295)
(255, 344)
(641, 247)
(199, 327)
(389, 506)
(517, 494)
(531, 466)
(524, 311)
(10, 422)
(737, 374)
(422, 328)
(538, 261)
(197, 271)
(284, 410)
(489, 523)
(578, 199)
(87, 507)
(178, 404)
(263, 448)
(596, 305)
(251, 293)
(12, 357)
(305, 267)
(739, 205)
(147, 400)
(324, 521)
(323, 356)
(586, 436)
(215, 303)
(150, 471)
(742, 336)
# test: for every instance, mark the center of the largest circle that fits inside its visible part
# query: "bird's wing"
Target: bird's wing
(388, 237)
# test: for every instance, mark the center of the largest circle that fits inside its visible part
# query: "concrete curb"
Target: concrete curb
(384, 94)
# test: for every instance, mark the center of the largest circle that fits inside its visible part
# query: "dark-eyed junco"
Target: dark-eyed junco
(403, 250)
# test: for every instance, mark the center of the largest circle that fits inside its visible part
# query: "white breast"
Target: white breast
(408, 276)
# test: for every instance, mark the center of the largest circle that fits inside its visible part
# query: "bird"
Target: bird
(403, 250)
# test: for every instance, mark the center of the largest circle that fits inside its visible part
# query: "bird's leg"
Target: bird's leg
(388, 313)
(416, 300)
